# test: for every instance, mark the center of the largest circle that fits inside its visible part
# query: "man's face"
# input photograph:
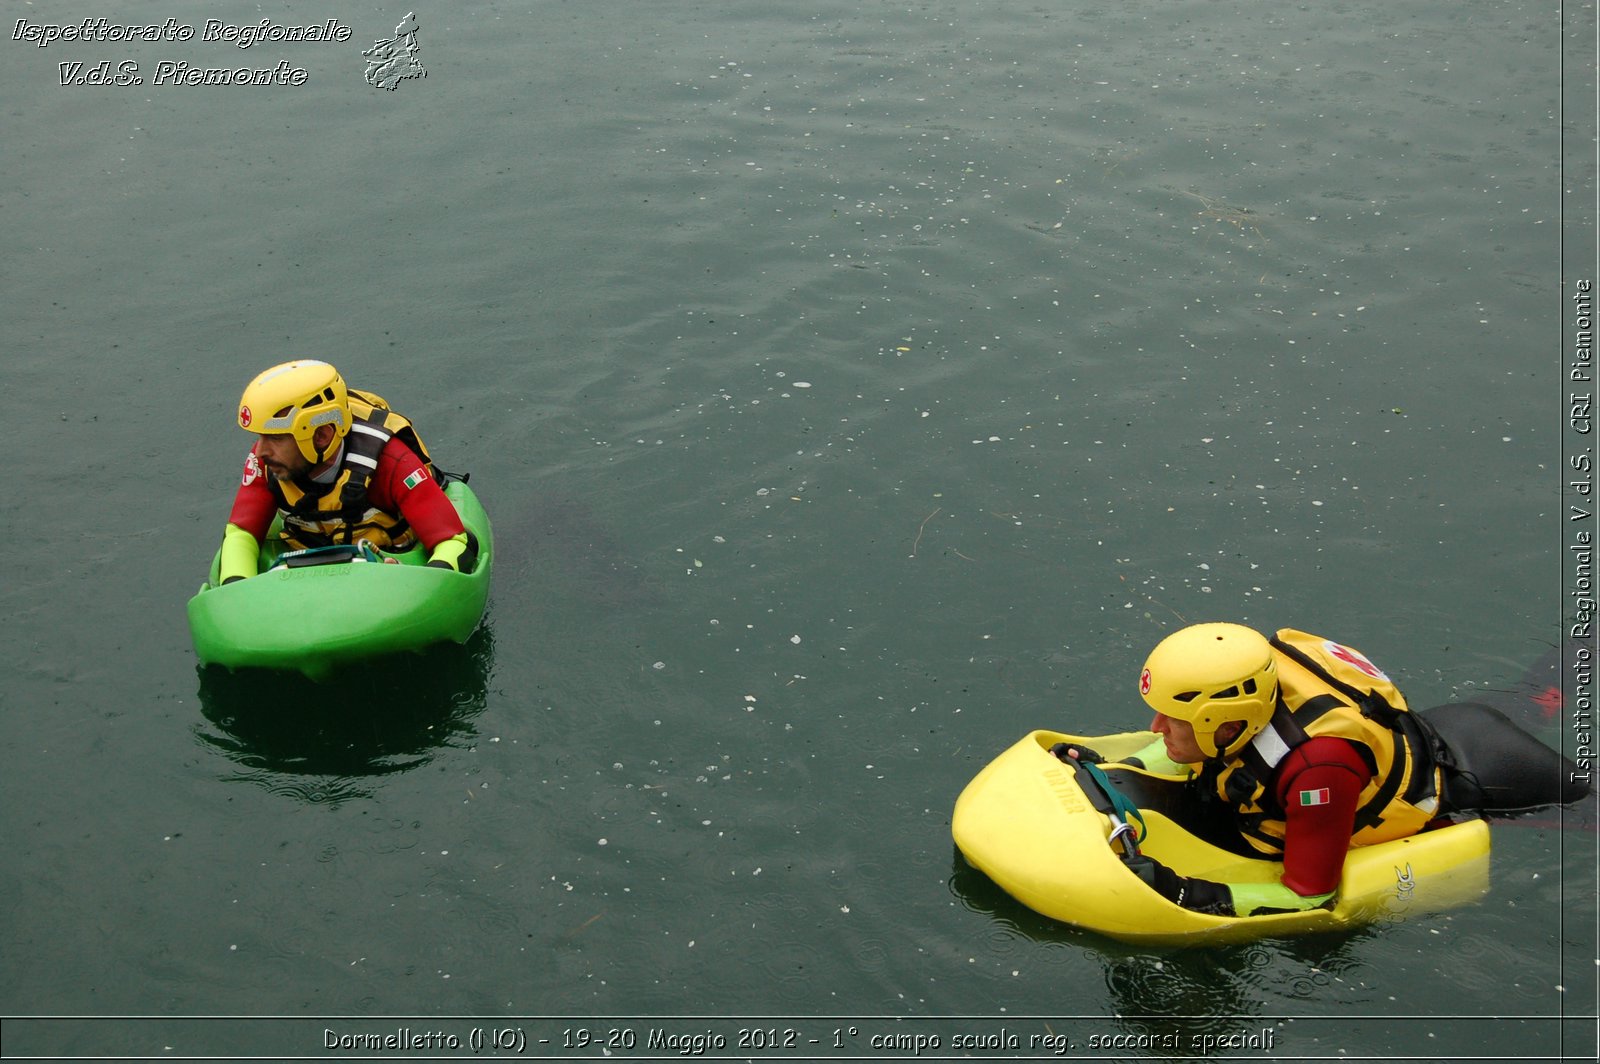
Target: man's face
(281, 456)
(1178, 735)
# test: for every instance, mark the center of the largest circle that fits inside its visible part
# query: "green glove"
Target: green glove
(240, 555)
(447, 555)
(1221, 899)
(1259, 899)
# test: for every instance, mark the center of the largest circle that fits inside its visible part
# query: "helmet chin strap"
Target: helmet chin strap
(330, 453)
(1234, 744)
(313, 475)
(334, 445)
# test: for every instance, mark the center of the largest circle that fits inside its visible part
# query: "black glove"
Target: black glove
(1074, 752)
(1199, 895)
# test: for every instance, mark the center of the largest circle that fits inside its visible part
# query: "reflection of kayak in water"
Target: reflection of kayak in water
(313, 610)
(1050, 834)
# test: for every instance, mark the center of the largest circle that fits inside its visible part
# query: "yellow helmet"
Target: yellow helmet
(297, 398)
(1209, 674)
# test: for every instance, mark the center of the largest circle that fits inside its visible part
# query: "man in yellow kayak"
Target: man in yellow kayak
(340, 466)
(1310, 745)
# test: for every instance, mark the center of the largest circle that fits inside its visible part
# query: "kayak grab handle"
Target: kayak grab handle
(1121, 812)
(338, 554)
(1107, 799)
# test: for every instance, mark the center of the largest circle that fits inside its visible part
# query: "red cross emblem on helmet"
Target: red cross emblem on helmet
(1144, 682)
(245, 416)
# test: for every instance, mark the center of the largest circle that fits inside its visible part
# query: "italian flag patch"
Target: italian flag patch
(414, 479)
(1320, 796)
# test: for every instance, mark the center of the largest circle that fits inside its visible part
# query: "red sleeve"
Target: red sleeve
(1319, 787)
(253, 505)
(403, 486)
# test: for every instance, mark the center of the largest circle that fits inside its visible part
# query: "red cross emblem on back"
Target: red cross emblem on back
(1549, 700)
(1144, 682)
(1356, 658)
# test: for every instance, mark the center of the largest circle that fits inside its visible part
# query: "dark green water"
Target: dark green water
(854, 388)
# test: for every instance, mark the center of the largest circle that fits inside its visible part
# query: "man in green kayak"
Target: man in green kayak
(1309, 744)
(341, 467)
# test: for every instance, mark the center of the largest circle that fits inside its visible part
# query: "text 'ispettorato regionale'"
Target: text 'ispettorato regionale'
(175, 72)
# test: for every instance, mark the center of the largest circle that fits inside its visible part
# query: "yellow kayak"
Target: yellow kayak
(1031, 823)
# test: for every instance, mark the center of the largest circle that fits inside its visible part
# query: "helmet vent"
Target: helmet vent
(1187, 696)
(1232, 692)
(1249, 686)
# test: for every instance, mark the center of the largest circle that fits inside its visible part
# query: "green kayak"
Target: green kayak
(313, 610)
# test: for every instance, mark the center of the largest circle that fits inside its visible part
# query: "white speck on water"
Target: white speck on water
(794, 639)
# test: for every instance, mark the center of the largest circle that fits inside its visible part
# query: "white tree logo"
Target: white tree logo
(391, 62)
